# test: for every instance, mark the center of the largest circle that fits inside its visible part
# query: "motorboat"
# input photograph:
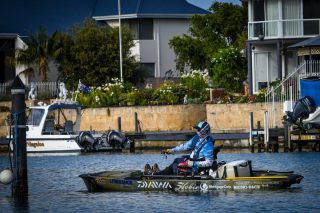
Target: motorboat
(236, 175)
(56, 128)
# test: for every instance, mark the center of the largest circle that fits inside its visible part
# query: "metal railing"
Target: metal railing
(44, 89)
(283, 28)
(4, 88)
(288, 91)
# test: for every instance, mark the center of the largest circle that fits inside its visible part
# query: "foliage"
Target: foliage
(196, 83)
(229, 69)
(139, 97)
(37, 54)
(260, 97)
(90, 52)
(224, 27)
(107, 95)
(165, 94)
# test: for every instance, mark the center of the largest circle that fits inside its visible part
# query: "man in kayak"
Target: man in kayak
(201, 145)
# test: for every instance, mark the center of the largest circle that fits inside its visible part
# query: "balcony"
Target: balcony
(290, 28)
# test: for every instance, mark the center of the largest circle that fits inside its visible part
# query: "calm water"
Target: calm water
(54, 186)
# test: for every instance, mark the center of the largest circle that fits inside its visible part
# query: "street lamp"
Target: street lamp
(120, 40)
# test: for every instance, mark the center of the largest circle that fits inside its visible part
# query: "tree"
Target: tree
(229, 69)
(90, 52)
(37, 54)
(224, 27)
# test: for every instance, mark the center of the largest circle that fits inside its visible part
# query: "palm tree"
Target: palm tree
(37, 54)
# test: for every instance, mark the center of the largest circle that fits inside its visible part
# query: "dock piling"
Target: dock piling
(251, 146)
(20, 184)
(136, 129)
(119, 124)
(286, 137)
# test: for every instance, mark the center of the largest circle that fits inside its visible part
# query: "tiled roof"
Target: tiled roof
(147, 8)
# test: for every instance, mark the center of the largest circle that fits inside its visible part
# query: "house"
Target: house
(153, 23)
(273, 26)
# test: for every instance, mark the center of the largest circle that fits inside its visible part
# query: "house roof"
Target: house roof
(311, 42)
(22, 17)
(108, 10)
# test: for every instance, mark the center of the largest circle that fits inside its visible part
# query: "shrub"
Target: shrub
(229, 69)
(139, 97)
(165, 95)
(195, 83)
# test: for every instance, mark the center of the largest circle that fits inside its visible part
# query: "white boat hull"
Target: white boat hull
(54, 143)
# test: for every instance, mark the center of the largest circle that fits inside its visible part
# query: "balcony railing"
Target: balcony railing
(289, 28)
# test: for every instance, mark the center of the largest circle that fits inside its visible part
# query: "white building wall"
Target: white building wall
(168, 28)
(158, 51)
(19, 44)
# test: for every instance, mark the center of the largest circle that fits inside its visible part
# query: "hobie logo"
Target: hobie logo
(35, 144)
(154, 185)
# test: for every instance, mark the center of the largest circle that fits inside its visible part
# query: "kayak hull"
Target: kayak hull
(132, 181)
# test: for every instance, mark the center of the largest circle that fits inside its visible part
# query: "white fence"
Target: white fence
(44, 89)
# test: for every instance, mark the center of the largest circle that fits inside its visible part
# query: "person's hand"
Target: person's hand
(167, 151)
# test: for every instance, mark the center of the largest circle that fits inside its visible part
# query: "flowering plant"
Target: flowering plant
(196, 83)
(165, 94)
(229, 69)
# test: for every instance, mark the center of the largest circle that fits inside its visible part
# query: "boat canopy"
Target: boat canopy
(65, 106)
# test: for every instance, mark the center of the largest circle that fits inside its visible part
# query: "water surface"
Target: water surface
(54, 186)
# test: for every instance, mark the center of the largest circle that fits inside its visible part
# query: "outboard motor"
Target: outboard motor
(301, 111)
(117, 139)
(88, 142)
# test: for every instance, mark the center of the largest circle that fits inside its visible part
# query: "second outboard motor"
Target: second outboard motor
(117, 139)
(301, 111)
(88, 142)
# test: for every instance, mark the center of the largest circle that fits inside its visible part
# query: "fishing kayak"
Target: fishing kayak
(236, 175)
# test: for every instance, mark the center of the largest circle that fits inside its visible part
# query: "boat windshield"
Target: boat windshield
(35, 117)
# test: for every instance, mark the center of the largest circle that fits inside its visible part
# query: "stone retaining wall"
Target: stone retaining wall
(222, 117)
(151, 118)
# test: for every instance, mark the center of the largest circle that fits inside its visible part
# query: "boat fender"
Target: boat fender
(6, 176)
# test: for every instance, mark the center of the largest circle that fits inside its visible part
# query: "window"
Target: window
(146, 29)
(311, 11)
(133, 26)
(148, 69)
(141, 29)
(35, 117)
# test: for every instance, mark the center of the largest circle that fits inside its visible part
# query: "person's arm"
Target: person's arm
(189, 145)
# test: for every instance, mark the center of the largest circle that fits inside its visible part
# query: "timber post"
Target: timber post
(20, 184)
(136, 129)
(119, 124)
